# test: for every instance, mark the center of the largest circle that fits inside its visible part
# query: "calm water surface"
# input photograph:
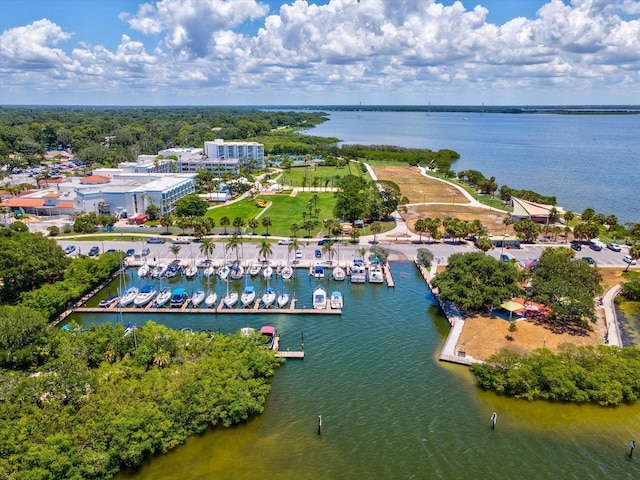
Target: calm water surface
(585, 160)
(390, 408)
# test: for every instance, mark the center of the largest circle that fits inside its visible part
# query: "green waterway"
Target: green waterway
(390, 408)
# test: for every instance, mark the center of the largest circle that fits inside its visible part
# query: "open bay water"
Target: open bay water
(390, 408)
(584, 160)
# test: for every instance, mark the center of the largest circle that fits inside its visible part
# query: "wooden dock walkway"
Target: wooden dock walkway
(290, 310)
(387, 275)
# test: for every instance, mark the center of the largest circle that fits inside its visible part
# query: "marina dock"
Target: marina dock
(386, 269)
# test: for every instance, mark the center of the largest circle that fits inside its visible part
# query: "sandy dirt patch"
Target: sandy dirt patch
(484, 335)
(418, 188)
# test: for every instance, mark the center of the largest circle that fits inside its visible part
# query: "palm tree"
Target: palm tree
(328, 248)
(294, 246)
(309, 226)
(265, 249)
(224, 222)
(209, 224)
(166, 221)
(207, 246)
(420, 227)
(235, 242)
(238, 223)
(175, 249)
(266, 223)
(253, 224)
(634, 253)
(294, 229)
(375, 228)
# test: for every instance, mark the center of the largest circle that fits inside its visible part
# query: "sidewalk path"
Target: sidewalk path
(611, 319)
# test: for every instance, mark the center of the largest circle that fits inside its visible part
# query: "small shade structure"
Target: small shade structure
(511, 307)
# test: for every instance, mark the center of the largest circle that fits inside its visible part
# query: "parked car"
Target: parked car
(504, 257)
(318, 254)
(589, 260)
(629, 260)
(284, 241)
(69, 249)
(131, 252)
(298, 254)
(145, 252)
(322, 241)
(596, 247)
(155, 240)
(94, 251)
(181, 241)
(614, 246)
(576, 246)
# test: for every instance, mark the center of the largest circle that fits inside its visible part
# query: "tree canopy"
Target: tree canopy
(95, 403)
(191, 206)
(475, 281)
(27, 261)
(567, 285)
(605, 374)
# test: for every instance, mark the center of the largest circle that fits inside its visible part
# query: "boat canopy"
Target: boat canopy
(249, 289)
(148, 288)
(268, 330)
(179, 291)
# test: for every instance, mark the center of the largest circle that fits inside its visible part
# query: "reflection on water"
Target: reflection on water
(390, 408)
(628, 314)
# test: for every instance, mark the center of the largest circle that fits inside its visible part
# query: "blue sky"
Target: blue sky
(258, 52)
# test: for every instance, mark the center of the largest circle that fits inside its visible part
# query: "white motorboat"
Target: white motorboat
(267, 272)
(247, 331)
(159, 271)
(197, 298)
(287, 272)
(210, 299)
(283, 299)
(255, 269)
(358, 273)
(338, 274)
(318, 271)
(223, 272)
(209, 271)
(163, 297)
(146, 294)
(375, 273)
(108, 301)
(178, 297)
(336, 300)
(268, 297)
(173, 269)
(143, 271)
(248, 295)
(319, 299)
(191, 271)
(128, 296)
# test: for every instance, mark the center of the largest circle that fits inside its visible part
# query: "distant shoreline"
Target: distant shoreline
(512, 109)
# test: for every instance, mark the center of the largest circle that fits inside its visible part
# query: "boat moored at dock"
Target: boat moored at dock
(358, 272)
(338, 274)
(129, 296)
(178, 297)
(146, 294)
(336, 300)
(319, 298)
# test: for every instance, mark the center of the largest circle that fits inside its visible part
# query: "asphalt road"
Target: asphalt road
(344, 253)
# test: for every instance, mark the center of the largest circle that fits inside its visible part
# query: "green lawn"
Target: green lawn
(323, 175)
(283, 210)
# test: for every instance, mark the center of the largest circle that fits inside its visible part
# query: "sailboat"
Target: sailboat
(143, 271)
(267, 272)
(210, 299)
(159, 271)
(287, 272)
(163, 297)
(230, 298)
(209, 271)
(283, 299)
(128, 296)
(255, 269)
(268, 297)
(248, 295)
(197, 298)
(338, 273)
(237, 271)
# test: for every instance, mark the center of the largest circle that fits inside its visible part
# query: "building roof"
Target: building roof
(524, 208)
(18, 202)
(94, 179)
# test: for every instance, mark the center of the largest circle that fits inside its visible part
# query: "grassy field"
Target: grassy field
(323, 175)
